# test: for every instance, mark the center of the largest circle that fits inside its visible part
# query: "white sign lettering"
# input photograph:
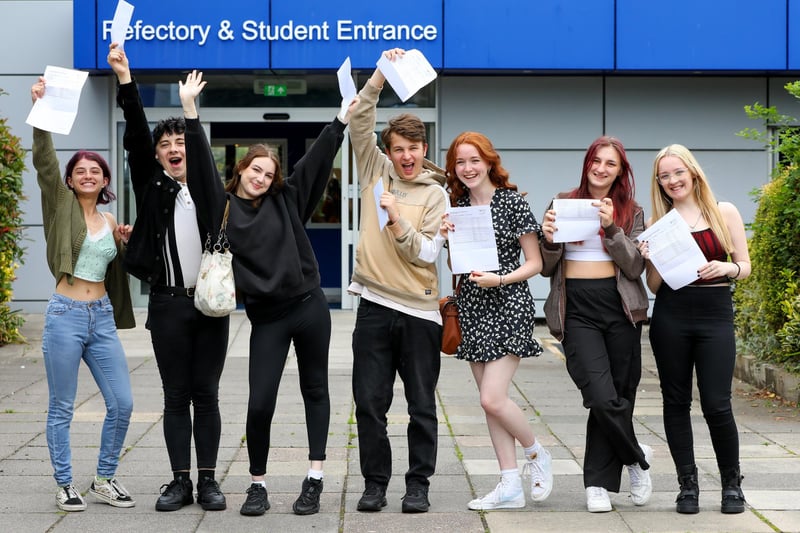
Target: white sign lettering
(257, 30)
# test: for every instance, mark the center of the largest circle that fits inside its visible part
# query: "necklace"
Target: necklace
(696, 222)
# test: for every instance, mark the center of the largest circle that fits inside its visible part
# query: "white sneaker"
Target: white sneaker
(112, 492)
(641, 485)
(540, 468)
(597, 500)
(504, 496)
(69, 499)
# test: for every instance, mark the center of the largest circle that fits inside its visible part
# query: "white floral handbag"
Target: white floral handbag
(215, 293)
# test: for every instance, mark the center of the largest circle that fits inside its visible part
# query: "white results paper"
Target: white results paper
(408, 73)
(472, 244)
(673, 251)
(57, 109)
(347, 88)
(119, 26)
(383, 215)
(576, 219)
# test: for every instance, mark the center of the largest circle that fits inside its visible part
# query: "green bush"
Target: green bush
(768, 302)
(12, 164)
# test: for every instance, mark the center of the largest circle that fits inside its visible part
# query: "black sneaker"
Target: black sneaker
(175, 495)
(373, 499)
(416, 500)
(256, 503)
(209, 495)
(308, 501)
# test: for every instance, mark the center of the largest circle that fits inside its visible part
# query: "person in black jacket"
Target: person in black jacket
(164, 251)
(278, 279)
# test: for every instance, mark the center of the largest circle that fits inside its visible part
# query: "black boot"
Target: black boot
(732, 497)
(687, 500)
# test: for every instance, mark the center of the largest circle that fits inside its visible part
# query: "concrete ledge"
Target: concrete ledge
(767, 376)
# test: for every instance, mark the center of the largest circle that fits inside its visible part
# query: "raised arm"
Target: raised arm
(369, 158)
(310, 177)
(137, 139)
(202, 176)
(48, 175)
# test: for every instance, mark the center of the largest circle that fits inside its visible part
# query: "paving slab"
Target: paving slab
(467, 467)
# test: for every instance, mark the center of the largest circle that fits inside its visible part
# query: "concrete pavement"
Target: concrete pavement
(770, 450)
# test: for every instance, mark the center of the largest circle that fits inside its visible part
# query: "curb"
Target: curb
(767, 376)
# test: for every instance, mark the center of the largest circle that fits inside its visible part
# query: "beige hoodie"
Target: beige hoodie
(389, 266)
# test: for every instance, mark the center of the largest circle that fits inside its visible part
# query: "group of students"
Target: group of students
(596, 306)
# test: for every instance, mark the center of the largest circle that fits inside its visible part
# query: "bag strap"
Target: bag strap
(457, 287)
(222, 237)
(225, 215)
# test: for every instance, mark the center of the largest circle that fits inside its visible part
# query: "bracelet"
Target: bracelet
(738, 271)
(501, 280)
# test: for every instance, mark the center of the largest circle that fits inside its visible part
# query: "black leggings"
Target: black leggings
(692, 331)
(308, 325)
(190, 351)
(604, 359)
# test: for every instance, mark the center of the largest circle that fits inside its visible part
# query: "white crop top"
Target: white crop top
(590, 250)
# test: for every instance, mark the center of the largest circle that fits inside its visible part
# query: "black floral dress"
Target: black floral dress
(497, 321)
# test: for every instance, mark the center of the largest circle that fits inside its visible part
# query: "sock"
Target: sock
(510, 476)
(101, 479)
(262, 483)
(533, 450)
(205, 473)
(314, 474)
(181, 475)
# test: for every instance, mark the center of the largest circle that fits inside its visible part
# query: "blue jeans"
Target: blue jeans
(75, 330)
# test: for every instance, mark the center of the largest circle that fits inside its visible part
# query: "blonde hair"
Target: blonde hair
(709, 209)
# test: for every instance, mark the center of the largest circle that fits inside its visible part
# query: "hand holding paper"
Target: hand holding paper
(673, 251)
(472, 244)
(57, 109)
(576, 219)
(407, 73)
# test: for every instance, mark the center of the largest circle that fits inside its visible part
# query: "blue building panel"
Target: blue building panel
(540, 34)
(455, 35)
(793, 39)
(84, 43)
(171, 34)
(320, 35)
(702, 35)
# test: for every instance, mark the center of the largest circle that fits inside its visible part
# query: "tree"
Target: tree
(768, 302)
(12, 165)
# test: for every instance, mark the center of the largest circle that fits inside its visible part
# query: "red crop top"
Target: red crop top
(713, 250)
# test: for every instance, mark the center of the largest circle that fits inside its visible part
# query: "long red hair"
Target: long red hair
(623, 189)
(498, 175)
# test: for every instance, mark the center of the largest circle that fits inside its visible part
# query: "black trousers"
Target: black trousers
(190, 351)
(307, 324)
(691, 330)
(604, 359)
(387, 343)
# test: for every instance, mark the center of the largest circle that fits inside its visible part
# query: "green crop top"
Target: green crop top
(97, 251)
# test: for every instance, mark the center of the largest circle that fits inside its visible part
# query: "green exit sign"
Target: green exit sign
(275, 90)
